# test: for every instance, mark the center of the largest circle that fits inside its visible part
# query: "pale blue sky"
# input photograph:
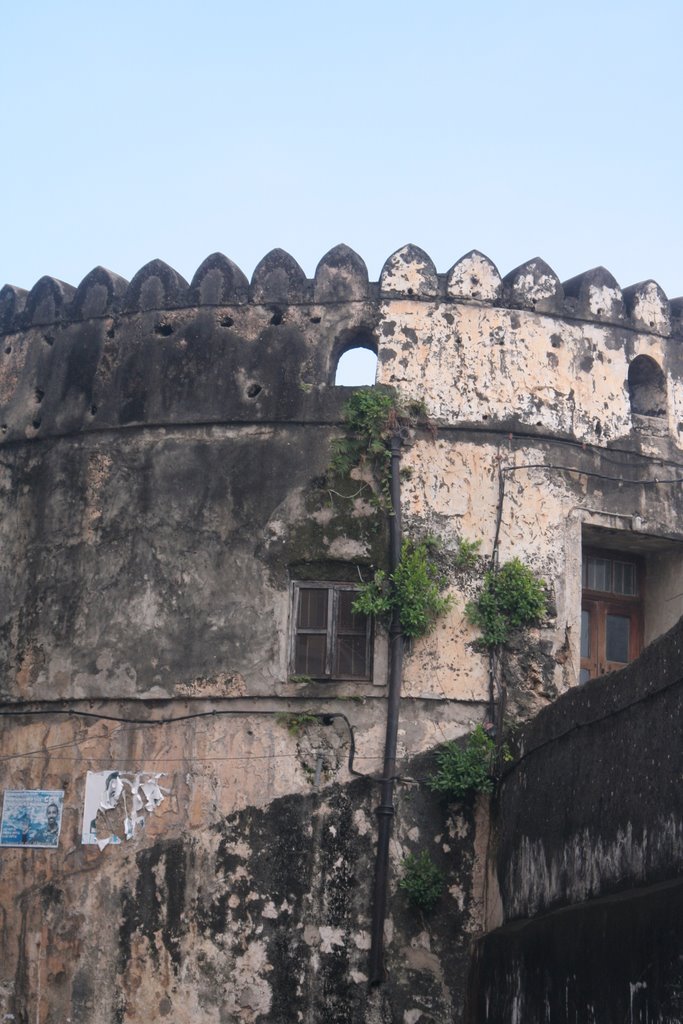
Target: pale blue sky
(164, 129)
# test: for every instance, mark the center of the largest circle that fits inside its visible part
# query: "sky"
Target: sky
(164, 129)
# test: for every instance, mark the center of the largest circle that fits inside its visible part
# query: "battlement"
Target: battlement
(341, 276)
(522, 350)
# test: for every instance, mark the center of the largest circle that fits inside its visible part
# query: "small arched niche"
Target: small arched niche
(357, 363)
(646, 387)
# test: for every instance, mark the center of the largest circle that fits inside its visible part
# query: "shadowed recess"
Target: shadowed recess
(646, 387)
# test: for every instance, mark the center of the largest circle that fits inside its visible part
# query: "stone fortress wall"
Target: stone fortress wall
(518, 374)
(162, 482)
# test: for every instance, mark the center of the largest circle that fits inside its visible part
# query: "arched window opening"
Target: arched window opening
(356, 368)
(646, 387)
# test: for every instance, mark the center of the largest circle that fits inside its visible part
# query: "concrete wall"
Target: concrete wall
(163, 461)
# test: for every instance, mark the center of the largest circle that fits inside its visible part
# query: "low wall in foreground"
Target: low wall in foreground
(589, 855)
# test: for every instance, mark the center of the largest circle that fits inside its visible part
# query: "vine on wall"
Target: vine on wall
(371, 417)
(415, 588)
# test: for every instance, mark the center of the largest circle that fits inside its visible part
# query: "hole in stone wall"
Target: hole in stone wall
(164, 329)
(93, 410)
(253, 390)
(227, 321)
(277, 318)
(8, 350)
(49, 338)
(646, 387)
(40, 395)
(36, 424)
(356, 368)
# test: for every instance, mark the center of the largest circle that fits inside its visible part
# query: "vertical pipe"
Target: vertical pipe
(496, 711)
(385, 811)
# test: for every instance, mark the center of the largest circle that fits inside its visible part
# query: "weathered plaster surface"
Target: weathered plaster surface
(164, 449)
(243, 899)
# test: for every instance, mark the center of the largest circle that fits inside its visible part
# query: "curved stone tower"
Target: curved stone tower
(166, 511)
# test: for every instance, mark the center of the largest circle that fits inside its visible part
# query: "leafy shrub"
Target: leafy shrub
(422, 881)
(415, 589)
(467, 553)
(465, 770)
(511, 596)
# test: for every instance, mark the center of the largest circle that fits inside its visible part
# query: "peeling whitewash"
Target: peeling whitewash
(156, 517)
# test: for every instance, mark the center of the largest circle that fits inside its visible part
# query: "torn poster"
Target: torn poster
(117, 803)
(31, 817)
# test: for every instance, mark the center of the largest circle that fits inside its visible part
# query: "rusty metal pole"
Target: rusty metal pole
(385, 810)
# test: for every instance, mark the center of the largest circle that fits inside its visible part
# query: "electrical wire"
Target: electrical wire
(325, 717)
(590, 473)
(586, 446)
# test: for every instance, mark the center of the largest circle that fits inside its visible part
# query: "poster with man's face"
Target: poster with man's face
(102, 793)
(31, 817)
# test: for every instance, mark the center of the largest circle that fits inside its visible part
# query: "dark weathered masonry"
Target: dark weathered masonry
(176, 580)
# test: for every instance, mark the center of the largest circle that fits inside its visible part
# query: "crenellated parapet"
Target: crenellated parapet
(341, 276)
(479, 347)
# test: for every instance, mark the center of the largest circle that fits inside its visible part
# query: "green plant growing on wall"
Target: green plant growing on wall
(371, 416)
(422, 881)
(467, 553)
(415, 589)
(511, 596)
(294, 723)
(368, 417)
(462, 771)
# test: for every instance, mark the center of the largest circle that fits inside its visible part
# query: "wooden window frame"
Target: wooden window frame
(601, 603)
(332, 631)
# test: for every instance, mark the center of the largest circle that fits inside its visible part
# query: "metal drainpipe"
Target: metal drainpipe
(385, 811)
